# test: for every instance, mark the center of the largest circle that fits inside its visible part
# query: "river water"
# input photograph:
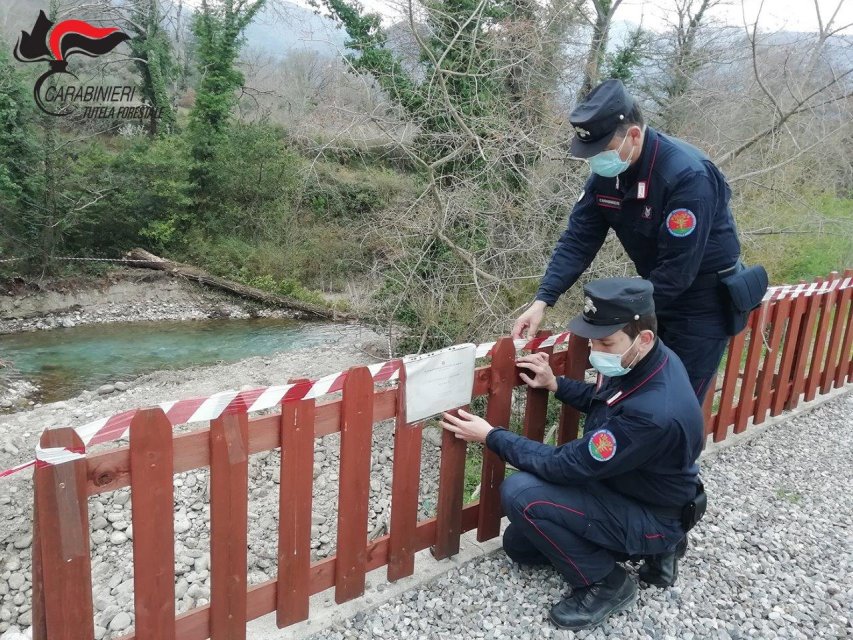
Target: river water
(64, 362)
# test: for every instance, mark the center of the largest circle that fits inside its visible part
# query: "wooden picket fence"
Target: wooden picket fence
(791, 350)
(794, 348)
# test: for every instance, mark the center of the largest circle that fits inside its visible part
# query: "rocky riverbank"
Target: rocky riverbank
(124, 295)
(110, 514)
(127, 295)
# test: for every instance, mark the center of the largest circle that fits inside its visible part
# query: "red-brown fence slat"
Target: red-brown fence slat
(746, 404)
(451, 487)
(779, 311)
(804, 348)
(783, 385)
(153, 501)
(844, 372)
(577, 361)
(730, 378)
(405, 483)
(63, 527)
(229, 500)
(354, 491)
(39, 626)
(707, 408)
(844, 364)
(536, 401)
(827, 303)
(498, 415)
(836, 332)
(296, 476)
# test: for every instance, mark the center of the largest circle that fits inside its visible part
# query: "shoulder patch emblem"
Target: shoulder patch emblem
(681, 223)
(602, 445)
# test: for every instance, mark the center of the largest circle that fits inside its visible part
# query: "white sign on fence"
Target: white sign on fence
(439, 381)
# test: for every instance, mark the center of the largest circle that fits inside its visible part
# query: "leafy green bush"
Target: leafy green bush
(341, 193)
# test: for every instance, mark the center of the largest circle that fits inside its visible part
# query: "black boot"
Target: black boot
(662, 570)
(588, 607)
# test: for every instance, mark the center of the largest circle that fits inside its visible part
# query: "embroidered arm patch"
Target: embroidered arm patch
(681, 223)
(602, 445)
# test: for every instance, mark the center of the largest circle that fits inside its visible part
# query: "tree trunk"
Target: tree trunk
(251, 293)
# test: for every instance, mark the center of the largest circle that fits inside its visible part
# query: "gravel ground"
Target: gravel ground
(771, 559)
(110, 514)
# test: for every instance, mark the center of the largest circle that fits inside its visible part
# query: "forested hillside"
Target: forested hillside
(414, 171)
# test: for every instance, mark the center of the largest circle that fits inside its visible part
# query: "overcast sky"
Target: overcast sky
(794, 15)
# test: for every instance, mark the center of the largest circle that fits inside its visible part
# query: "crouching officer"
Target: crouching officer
(630, 486)
(669, 206)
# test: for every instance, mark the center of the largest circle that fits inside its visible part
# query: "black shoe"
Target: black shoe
(590, 606)
(662, 570)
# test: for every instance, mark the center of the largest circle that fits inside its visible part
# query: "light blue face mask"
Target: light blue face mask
(610, 364)
(609, 164)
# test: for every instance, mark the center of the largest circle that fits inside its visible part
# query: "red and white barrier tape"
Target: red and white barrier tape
(209, 408)
(809, 289)
(205, 409)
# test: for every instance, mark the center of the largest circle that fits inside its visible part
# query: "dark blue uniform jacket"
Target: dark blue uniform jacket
(642, 435)
(671, 213)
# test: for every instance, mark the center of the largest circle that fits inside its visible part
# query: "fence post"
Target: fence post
(826, 306)
(354, 492)
(296, 484)
(451, 487)
(577, 358)
(38, 610)
(405, 483)
(746, 404)
(536, 402)
(498, 412)
(153, 504)
(727, 395)
(783, 378)
(801, 361)
(707, 408)
(781, 310)
(839, 323)
(229, 497)
(63, 567)
(844, 364)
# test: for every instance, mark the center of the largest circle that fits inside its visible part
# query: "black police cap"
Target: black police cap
(596, 119)
(610, 304)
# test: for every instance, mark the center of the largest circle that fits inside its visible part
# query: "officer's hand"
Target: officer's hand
(467, 426)
(542, 375)
(529, 320)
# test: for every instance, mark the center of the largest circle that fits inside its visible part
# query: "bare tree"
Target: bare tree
(604, 10)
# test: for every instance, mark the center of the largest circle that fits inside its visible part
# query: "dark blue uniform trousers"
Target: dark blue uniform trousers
(580, 529)
(694, 328)
(701, 355)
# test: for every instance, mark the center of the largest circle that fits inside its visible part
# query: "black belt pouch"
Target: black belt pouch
(694, 510)
(744, 291)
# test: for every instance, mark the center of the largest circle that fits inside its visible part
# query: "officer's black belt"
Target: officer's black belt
(711, 280)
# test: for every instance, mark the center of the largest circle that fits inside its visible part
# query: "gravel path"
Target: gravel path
(771, 559)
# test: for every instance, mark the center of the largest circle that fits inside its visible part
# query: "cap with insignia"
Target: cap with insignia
(596, 119)
(610, 304)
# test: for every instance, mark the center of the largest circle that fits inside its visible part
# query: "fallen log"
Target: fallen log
(147, 260)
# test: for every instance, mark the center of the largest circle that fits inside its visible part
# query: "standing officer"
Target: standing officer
(669, 207)
(630, 486)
